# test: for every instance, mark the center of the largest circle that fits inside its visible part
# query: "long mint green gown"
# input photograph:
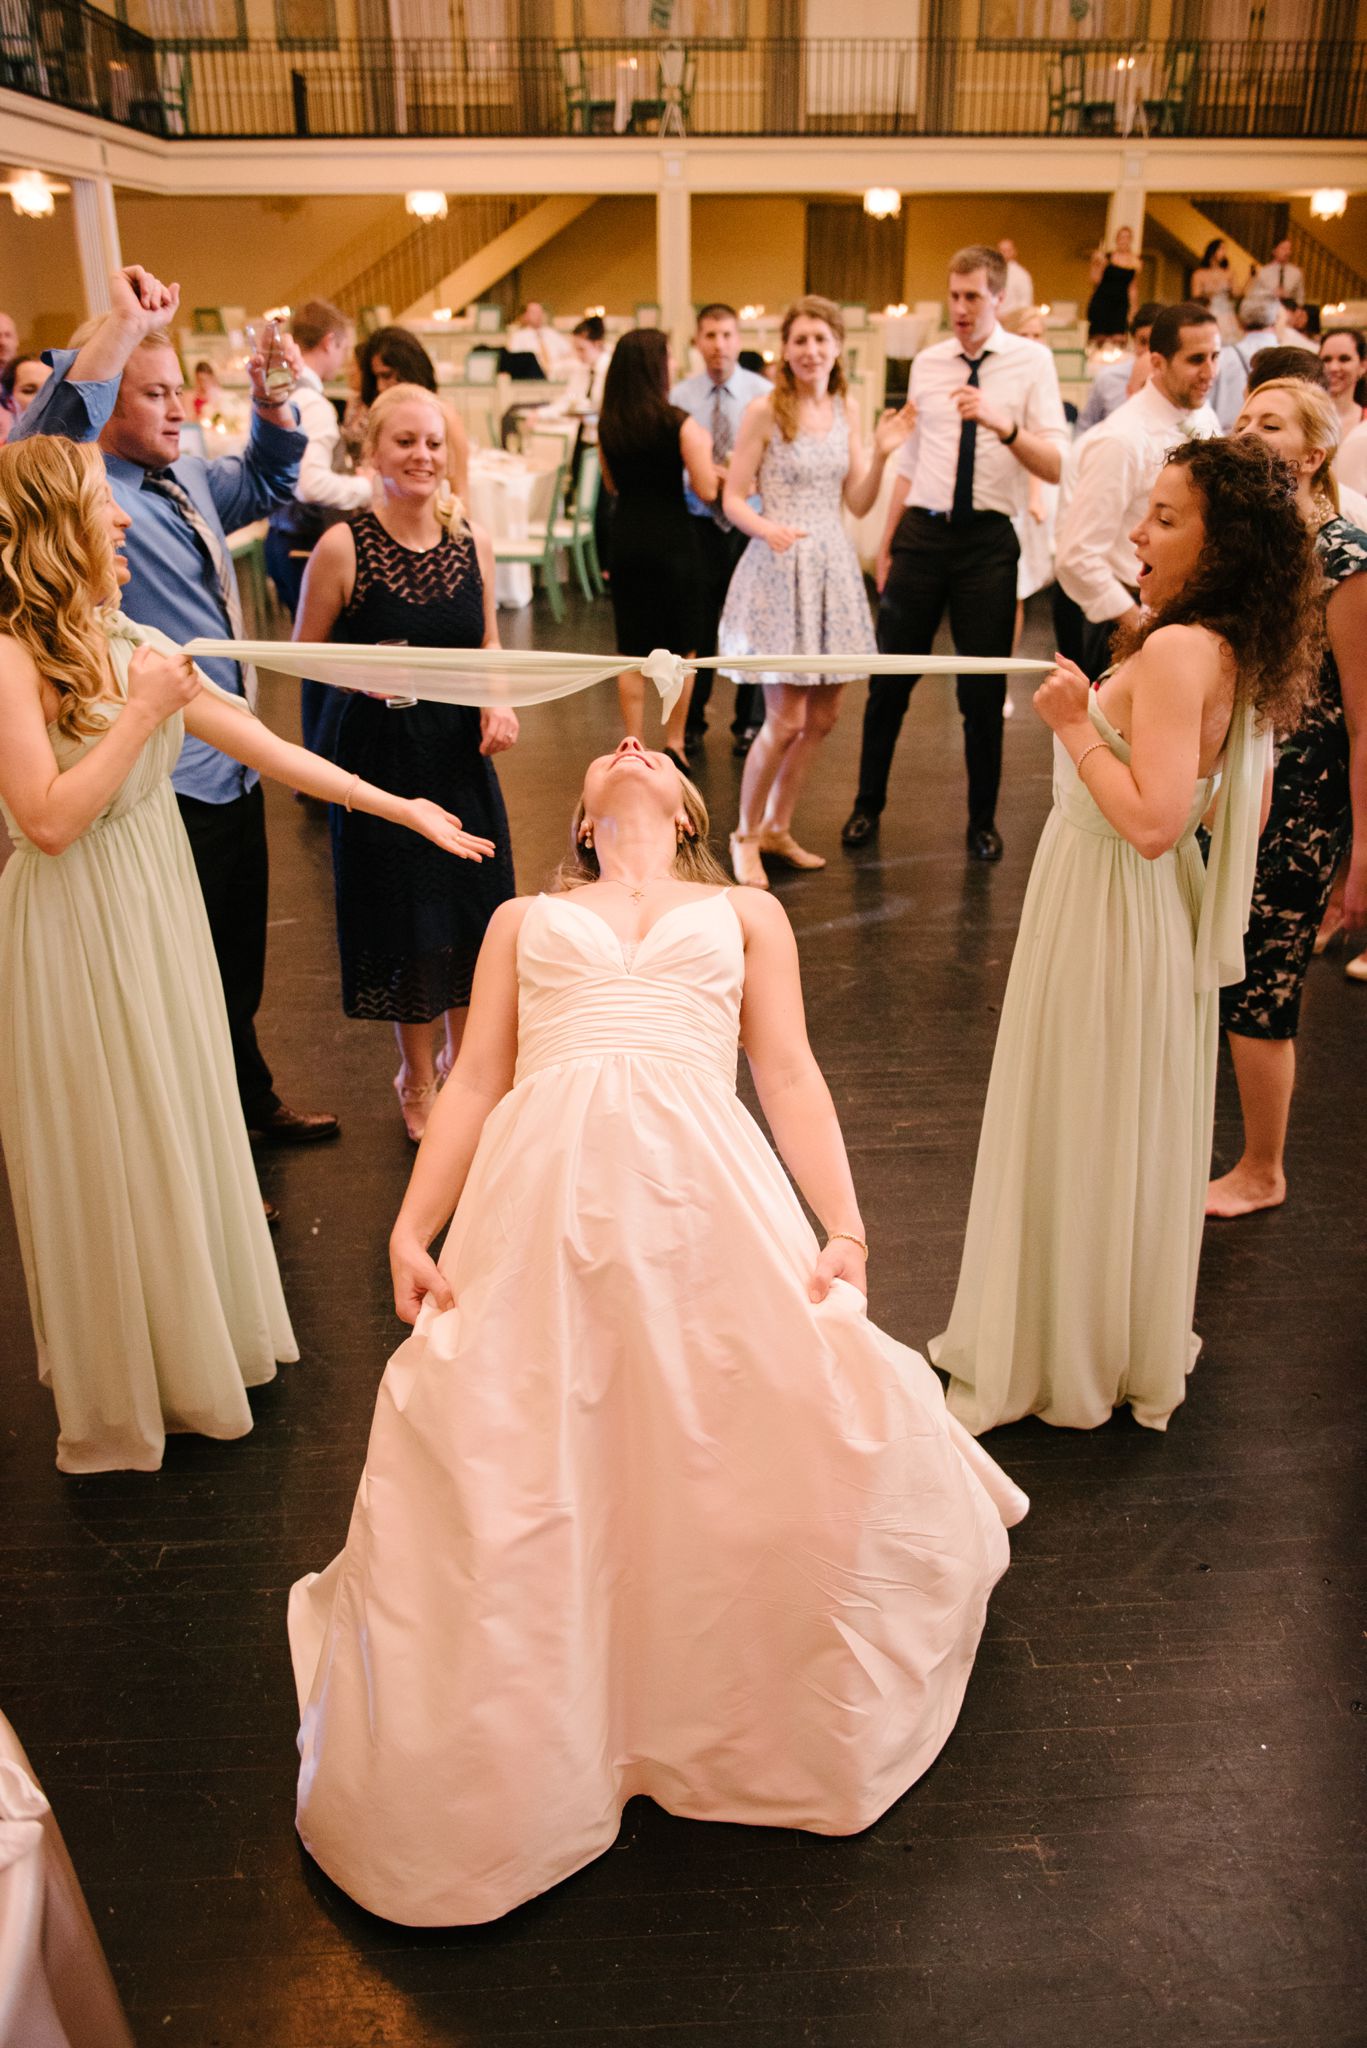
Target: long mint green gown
(1078, 1280)
(152, 1283)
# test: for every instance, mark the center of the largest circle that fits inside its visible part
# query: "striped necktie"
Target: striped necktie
(723, 440)
(164, 485)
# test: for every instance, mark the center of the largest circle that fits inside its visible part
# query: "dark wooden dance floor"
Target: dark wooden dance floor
(1142, 1830)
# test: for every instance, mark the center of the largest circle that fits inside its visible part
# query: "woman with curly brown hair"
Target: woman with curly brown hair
(1078, 1279)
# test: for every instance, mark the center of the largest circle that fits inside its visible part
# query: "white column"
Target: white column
(97, 239)
(1126, 207)
(674, 253)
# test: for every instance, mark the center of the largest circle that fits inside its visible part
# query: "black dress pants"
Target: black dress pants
(971, 568)
(721, 550)
(228, 843)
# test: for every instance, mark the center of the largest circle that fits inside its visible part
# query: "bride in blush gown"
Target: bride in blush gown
(649, 1506)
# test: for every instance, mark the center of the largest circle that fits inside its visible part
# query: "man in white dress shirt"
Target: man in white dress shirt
(717, 397)
(1020, 286)
(535, 336)
(1114, 468)
(1281, 278)
(988, 414)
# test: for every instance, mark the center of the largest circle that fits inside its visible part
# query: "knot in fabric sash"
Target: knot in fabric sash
(632, 1017)
(669, 673)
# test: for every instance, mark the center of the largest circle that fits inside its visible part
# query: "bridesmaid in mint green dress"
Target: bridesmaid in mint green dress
(153, 1287)
(1078, 1282)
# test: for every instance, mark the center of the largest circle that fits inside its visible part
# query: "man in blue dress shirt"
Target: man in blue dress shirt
(123, 387)
(716, 398)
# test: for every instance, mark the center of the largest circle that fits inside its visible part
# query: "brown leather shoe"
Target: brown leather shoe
(294, 1127)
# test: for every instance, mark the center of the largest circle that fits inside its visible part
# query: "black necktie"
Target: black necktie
(962, 507)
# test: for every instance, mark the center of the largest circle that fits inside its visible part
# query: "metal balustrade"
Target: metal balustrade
(74, 55)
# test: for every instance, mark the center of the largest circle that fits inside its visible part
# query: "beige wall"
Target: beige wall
(250, 252)
(1055, 235)
(40, 283)
(749, 251)
(605, 258)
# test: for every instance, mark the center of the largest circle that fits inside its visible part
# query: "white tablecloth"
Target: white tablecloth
(55, 1986)
(500, 495)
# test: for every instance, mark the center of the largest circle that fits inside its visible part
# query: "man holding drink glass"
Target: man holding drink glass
(121, 384)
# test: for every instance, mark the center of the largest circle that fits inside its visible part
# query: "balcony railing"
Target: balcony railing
(77, 57)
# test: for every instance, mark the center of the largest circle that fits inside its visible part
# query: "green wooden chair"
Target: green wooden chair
(1067, 78)
(576, 534)
(539, 549)
(1167, 115)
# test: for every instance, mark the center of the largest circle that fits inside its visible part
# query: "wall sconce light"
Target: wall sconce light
(1329, 203)
(881, 202)
(425, 206)
(32, 196)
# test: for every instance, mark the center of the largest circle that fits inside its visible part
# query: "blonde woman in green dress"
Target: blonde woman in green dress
(155, 1296)
(1078, 1281)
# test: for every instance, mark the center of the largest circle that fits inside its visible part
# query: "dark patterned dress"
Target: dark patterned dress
(410, 918)
(1308, 831)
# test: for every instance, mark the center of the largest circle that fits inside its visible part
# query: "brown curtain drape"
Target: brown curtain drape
(852, 258)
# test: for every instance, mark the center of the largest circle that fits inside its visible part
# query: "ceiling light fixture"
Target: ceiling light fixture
(425, 206)
(1328, 203)
(882, 202)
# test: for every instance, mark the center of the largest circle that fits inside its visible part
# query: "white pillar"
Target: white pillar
(674, 253)
(97, 239)
(1126, 207)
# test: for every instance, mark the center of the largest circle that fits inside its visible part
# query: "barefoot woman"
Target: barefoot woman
(1078, 1279)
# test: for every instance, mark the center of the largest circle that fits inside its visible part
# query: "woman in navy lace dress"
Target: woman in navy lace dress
(412, 572)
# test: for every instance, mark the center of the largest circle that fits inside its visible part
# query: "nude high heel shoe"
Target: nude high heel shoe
(746, 865)
(415, 1101)
(783, 846)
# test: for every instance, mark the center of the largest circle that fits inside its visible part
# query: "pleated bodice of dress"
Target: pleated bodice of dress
(1075, 802)
(675, 996)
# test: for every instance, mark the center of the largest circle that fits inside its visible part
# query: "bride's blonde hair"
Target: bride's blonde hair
(57, 568)
(694, 860)
(449, 509)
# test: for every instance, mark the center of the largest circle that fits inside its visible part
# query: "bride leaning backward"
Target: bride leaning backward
(650, 1506)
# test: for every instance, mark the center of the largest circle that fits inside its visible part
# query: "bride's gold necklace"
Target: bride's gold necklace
(635, 894)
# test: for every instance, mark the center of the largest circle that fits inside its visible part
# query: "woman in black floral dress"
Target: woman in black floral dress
(1319, 810)
(412, 572)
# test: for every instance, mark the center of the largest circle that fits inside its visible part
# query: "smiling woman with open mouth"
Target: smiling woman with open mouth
(1078, 1279)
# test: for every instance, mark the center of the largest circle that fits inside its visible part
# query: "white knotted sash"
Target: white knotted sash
(512, 678)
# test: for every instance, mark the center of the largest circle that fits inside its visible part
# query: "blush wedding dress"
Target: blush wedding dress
(636, 1516)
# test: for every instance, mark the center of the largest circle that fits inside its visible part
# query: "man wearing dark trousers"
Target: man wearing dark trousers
(717, 398)
(988, 412)
(122, 386)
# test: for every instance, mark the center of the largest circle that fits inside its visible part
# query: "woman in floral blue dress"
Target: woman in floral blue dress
(798, 588)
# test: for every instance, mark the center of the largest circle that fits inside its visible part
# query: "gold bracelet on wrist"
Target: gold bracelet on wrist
(349, 792)
(1089, 750)
(849, 1238)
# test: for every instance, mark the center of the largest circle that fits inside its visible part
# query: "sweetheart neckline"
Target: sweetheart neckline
(639, 945)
